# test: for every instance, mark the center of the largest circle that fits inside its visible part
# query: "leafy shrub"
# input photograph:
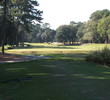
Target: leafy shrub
(100, 56)
(8, 47)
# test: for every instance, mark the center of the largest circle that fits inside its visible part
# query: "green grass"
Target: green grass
(61, 77)
(64, 76)
(43, 48)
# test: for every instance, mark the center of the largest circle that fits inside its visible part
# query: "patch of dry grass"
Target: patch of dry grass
(43, 48)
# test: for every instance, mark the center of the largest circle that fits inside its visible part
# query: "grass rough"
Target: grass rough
(100, 56)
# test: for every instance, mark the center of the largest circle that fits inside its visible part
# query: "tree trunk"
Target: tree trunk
(107, 39)
(4, 26)
(3, 50)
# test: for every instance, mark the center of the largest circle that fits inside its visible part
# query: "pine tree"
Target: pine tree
(14, 14)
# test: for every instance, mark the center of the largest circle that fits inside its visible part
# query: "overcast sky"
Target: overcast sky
(59, 12)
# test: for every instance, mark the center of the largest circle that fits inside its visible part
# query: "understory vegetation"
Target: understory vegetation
(100, 56)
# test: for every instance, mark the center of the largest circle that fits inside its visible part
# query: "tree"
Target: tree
(48, 35)
(66, 33)
(95, 30)
(20, 13)
(61, 34)
(39, 33)
(99, 14)
(46, 25)
(73, 23)
(72, 34)
(3, 25)
(104, 28)
(74, 29)
(99, 17)
(80, 32)
(33, 36)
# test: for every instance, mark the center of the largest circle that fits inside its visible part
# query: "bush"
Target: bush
(8, 47)
(100, 56)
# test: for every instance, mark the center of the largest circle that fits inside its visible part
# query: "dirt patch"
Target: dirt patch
(10, 58)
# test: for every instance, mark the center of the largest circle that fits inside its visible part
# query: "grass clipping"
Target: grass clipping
(100, 56)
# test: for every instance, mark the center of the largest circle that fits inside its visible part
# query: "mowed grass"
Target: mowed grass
(43, 48)
(61, 77)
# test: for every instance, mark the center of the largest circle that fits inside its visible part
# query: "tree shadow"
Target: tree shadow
(65, 46)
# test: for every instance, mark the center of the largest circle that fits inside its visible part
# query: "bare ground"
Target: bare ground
(10, 58)
(5, 58)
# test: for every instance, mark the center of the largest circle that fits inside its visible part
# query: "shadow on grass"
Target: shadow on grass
(62, 77)
(54, 47)
(73, 65)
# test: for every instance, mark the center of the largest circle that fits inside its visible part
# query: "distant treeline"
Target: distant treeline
(20, 27)
(95, 30)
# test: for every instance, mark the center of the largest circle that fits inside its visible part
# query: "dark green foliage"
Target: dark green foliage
(99, 14)
(100, 56)
(67, 33)
(16, 19)
(8, 47)
(96, 30)
(41, 34)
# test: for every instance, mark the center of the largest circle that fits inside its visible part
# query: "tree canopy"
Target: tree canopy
(96, 30)
(17, 15)
(18, 24)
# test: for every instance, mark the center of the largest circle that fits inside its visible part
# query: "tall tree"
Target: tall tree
(3, 25)
(96, 29)
(97, 15)
(104, 29)
(66, 33)
(18, 13)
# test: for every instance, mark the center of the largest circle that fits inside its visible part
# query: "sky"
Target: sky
(61, 12)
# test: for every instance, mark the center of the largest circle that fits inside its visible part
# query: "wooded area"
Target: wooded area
(16, 19)
(21, 21)
(95, 30)
(71, 62)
